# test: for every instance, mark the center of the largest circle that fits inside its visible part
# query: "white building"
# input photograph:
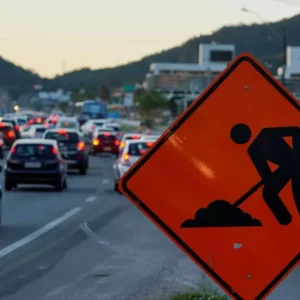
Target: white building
(292, 69)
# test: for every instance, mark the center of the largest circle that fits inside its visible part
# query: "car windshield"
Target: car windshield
(22, 121)
(38, 151)
(67, 124)
(9, 121)
(98, 123)
(106, 137)
(40, 130)
(138, 149)
(62, 136)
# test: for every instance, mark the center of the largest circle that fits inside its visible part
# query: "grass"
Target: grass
(198, 296)
(128, 128)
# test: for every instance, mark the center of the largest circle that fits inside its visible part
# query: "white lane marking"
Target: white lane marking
(90, 199)
(31, 237)
(86, 229)
(105, 181)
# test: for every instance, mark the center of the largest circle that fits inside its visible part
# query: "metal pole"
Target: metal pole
(283, 56)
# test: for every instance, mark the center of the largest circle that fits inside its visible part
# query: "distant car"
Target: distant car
(35, 131)
(72, 147)
(8, 133)
(65, 122)
(15, 124)
(116, 126)
(1, 146)
(129, 136)
(131, 152)
(35, 162)
(89, 127)
(105, 142)
(52, 120)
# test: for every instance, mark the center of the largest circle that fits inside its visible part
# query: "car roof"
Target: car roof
(68, 119)
(35, 141)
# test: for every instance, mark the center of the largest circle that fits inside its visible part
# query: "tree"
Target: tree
(150, 104)
(104, 92)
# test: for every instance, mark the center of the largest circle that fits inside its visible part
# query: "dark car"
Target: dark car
(8, 133)
(106, 142)
(35, 162)
(1, 146)
(15, 125)
(72, 147)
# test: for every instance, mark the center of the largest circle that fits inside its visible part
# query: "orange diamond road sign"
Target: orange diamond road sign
(223, 182)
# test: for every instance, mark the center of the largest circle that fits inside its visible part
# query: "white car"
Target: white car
(129, 136)
(67, 123)
(102, 129)
(131, 152)
(88, 127)
(34, 131)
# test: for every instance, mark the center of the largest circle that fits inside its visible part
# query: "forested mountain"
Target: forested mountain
(263, 40)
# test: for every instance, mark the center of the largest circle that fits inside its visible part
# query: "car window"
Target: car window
(138, 149)
(62, 136)
(68, 124)
(106, 137)
(40, 130)
(9, 121)
(21, 121)
(33, 151)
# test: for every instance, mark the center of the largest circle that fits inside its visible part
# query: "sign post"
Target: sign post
(225, 181)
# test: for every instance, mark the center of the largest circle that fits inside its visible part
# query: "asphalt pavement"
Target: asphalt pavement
(87, 242)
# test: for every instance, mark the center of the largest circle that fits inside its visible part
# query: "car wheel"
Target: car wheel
(116, 187)
(65, 185)
(59, 185)
(82, 171)
(8, 185)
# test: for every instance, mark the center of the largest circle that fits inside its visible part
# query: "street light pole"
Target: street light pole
(281, 37)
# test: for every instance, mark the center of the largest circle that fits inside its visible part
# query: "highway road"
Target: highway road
(88, 242)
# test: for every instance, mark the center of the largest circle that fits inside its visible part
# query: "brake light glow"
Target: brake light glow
(31, 121)
(135, 137)
(17, 127)
(80, 146)
(54, 151)
(1, 143)
(2, 125)
(106, 134)
(13, 150)
(61, 131)
(93, 127)
(149, 144)
(125, 160)
(39, 120)
(117, 142)
(11, 134)
(96, 142)
(122, 144)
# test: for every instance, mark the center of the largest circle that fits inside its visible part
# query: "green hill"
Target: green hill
(259, 39)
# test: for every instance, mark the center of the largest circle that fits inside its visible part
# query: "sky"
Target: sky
(51, 37)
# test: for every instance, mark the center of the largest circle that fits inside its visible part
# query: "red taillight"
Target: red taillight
(1, 143)
(53, 121)
(13, 150)
(135, 137)
(106, 134)
(80, 146)
(96, 142)
(17, 127)
(117, 142)
(61, 131)
(31, 122)
(10, 134)
(2, 125)
(39, 120)
(125, 159)
(93, 127)
(54, 151)
(149, 144)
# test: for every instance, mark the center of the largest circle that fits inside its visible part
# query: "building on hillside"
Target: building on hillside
(183, 82)
(292, 70)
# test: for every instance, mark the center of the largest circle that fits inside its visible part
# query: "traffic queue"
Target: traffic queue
(42, 149)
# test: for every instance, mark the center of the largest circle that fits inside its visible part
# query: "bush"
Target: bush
(198, 296)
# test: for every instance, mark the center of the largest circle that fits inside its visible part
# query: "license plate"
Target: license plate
(106, 148)
(33, 165)
(71, 162)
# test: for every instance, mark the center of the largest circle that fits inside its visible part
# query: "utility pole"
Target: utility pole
(283, 56)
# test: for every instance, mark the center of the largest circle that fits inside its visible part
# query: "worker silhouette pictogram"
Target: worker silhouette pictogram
(270, 145)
